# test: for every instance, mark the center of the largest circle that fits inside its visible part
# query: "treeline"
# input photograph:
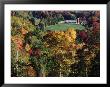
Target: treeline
(41, 19)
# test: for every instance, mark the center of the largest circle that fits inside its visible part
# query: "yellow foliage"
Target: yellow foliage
(68, 61)
(23, 56)
(27, 47)
(19, 21)
(79, 46)
(71, 32)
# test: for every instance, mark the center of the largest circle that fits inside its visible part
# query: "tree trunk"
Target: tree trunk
(86, 72)
(60, 71)
(42, 72)
(17, 63)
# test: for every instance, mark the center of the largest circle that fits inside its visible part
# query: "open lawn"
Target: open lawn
(65, 26)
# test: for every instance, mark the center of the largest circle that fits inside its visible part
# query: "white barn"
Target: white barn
(77, 21)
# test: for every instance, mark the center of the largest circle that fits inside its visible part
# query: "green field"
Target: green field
(65, 26)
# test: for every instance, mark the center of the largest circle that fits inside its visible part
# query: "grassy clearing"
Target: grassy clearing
(64, 27)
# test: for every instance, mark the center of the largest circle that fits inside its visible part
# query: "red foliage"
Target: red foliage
(83, 35)
(30, 51)
(96, 27)
(35, 52)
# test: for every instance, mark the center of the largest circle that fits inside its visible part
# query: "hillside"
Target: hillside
(43, 45)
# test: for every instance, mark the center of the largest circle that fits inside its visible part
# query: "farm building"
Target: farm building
(77, 21)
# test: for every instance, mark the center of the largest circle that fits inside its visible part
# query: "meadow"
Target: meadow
(65, 26)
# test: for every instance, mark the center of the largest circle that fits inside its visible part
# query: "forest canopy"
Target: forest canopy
(55, 43)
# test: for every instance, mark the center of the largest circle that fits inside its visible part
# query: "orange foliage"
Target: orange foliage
(24, 31)
(18, 41)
